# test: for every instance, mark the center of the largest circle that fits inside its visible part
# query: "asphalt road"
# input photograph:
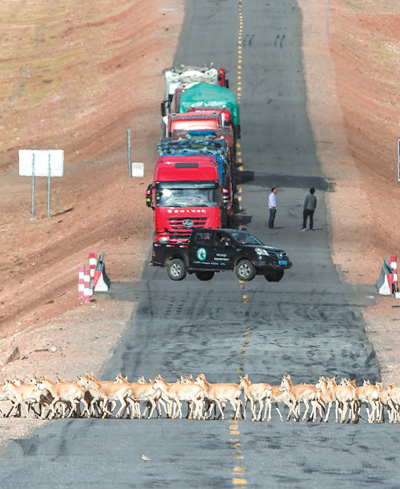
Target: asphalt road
(309, 324)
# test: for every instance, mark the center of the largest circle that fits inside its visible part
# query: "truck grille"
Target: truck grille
(181, 225)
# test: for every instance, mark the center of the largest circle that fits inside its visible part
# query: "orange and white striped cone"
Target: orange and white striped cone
(81, 283)
(86, 290)
(92, 268)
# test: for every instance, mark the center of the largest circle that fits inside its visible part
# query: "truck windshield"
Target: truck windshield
(187, 194)
(246, 238)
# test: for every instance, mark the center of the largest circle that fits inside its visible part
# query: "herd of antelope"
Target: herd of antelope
(91, 397)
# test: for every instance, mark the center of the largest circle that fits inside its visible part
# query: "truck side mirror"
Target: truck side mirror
(165, 105)
(149, 196)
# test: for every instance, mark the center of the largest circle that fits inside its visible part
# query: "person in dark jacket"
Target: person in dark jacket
(310, 204)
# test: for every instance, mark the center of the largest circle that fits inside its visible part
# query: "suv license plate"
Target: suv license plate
(282, 262)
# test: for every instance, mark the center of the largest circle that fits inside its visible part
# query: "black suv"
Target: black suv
(213, 250)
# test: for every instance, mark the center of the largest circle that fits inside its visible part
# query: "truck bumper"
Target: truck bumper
(263, 267)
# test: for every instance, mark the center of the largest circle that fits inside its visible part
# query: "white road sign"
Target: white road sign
(137, 169)
(42, 158)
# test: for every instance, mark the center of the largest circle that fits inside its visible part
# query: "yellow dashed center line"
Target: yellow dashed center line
(242, 482)
(238, 472)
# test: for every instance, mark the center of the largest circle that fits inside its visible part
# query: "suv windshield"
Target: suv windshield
(246, 238)
(186, 194)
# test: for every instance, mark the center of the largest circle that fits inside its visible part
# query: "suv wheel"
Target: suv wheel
(205, 275)
(176, 269)
(245, 270)
(274, 276)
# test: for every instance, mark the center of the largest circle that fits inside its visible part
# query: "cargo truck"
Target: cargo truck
(211, 96)
(180, 78)
(186, 193)
(203, 143)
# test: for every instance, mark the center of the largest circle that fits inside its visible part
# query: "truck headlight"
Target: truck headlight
(163, 240)
(261, 251)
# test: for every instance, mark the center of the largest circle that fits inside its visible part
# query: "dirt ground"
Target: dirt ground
(77, 78)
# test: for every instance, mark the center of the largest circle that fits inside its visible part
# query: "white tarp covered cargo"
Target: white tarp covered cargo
(185, 76)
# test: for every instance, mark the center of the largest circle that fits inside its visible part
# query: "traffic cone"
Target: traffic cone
(86, 290)
(81, 283)
(92, 267)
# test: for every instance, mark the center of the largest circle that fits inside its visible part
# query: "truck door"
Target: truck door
(223, 251)
(201, 250)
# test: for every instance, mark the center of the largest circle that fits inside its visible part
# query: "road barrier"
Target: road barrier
(393, 266)
(92, 279)
(387, 283)
(101, 281)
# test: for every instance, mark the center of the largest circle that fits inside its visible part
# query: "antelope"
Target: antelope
(105, 391)
(344, 396)
(368, 395)
(326, 395)
(67, 393)
(394, 394)
(255, 394)
(142, 391)
(193, 394)
(278, 397)
(385, 401)
(220, 393)
(300, 393)
(23, 394)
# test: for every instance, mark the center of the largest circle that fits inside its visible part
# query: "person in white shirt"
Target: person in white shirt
(272, 207)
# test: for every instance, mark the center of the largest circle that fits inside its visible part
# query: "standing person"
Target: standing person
(310, 204)
(272, 207)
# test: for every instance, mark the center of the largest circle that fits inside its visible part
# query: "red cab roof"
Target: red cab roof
(185, 168)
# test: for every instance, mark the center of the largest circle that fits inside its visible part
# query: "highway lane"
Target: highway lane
(307, 325)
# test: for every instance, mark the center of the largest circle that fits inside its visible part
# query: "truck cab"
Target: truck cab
(193, 122)
(185, 194)
(207, 143)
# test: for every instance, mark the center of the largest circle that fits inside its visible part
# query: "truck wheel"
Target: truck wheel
(176, 269)
(274, 276)
(204, 275)
(245, 270)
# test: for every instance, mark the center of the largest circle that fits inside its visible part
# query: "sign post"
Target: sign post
(49, 187)
(41, 163)
(327, 20)
(129, 152)
(33, 188)
(398, 160)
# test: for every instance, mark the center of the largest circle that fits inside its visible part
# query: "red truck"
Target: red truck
(219, 121)
(186, 193)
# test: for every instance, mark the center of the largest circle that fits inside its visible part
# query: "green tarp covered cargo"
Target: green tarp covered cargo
(207, 95)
